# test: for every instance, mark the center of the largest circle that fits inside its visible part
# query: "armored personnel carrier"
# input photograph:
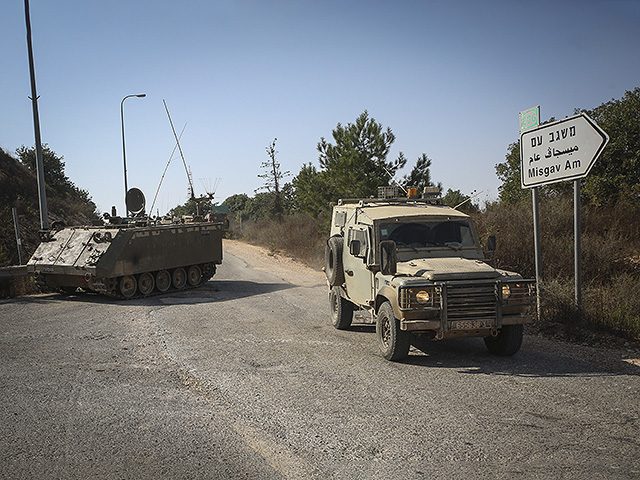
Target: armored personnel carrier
(127, 258)
(418, 268)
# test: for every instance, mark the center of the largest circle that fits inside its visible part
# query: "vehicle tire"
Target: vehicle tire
(394, 343)
(341, 309)
(194, 275)
(163, 281)
(128, 286)
(333, 268)
(508, 341)
(146, 283)
(179, 278)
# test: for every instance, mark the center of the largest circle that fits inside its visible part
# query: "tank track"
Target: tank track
(208, 271)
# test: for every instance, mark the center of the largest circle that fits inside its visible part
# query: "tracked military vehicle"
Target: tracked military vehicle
(128, 257)
(417, 267)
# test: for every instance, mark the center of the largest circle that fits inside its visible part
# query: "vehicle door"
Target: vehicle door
(358, 278)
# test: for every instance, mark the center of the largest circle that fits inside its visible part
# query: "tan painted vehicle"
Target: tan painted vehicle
(418, 268)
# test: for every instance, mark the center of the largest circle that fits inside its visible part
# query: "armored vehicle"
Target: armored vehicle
(126, 258)
(417, 267)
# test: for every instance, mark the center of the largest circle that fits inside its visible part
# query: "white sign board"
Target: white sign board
(560, 151)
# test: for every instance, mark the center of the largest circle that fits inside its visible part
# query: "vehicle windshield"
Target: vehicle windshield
(422, 234)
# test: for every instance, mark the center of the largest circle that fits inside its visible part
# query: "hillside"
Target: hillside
(19, 188)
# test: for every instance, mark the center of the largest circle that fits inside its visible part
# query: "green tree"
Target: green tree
(616, 175)
(237, 205)
(53, 163)
(455, 198)
(312, 194)
(420, 175)
(54, 176)
(356, 163)
(191, 207)
(511, 191)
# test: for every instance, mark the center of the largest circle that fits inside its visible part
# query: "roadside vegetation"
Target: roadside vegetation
(355, 163)
(290, 214)
(18, 189)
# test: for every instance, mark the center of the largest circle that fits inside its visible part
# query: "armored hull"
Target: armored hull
(129, 261)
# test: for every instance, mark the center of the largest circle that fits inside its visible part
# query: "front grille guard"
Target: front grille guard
(464, 300)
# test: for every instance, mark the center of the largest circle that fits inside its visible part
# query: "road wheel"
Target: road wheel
(508, 341)
(394, 343)
(194, 275)
(341, 309)
(179, 278)
(163, 281)
(146, 283)
(333, 261)
(128, 286)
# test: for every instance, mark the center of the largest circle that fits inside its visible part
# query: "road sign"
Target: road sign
(560, 151)
(529, 118)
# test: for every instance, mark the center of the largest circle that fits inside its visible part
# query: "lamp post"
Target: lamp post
(124, 151)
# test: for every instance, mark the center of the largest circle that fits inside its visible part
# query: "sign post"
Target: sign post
(529, 119)
(561, 151)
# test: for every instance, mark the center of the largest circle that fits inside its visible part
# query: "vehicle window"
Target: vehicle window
(428, 234)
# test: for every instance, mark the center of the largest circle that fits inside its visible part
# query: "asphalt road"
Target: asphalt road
(246, 378)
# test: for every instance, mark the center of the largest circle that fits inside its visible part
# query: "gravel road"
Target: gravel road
(246, 378)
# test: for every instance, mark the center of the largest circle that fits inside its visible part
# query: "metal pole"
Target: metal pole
(577, 245)
(14, 210)
(536, 240)
(124, 149)
(42, 197)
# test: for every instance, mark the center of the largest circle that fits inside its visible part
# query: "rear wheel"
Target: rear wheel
(507, 342)
(394, 343)
(128, 286)
(163, 281)
(146, 283)
(341, 309)
(179, 278)
(194, 275)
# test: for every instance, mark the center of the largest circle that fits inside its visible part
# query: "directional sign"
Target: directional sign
(560, 151)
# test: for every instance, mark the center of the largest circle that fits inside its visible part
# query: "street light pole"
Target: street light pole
(124, 150)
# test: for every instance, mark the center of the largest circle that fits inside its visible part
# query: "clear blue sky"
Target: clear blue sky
(448, 77)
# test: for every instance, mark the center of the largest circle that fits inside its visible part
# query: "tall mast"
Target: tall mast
(44, 219)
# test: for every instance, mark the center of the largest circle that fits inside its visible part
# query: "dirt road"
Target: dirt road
(246, 378)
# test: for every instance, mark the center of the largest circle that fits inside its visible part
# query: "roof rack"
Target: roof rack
(390, 195)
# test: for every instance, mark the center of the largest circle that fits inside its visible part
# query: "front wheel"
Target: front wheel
(394, 343)
(341, 310)
(507, 342)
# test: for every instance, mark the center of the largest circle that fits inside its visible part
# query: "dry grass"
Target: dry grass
(299, 236)
(610, 261)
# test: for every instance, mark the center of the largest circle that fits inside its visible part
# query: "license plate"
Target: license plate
(469, 324)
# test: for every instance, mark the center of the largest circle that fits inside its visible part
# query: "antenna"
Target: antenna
(393, 178)
(210, 187)
(191, 192)
(473, 196)
(165, 169)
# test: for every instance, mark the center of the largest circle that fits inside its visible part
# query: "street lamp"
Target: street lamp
(124, 151)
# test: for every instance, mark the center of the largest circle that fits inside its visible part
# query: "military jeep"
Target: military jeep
(418, 269)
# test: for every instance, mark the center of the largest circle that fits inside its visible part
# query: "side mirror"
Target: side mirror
(491, 243)
(354, 248)
(388, 257)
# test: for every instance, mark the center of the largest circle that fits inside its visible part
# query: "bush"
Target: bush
(610, 260)
(300, 236)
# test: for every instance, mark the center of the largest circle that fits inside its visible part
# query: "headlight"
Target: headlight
(423, 297)
(506, 292)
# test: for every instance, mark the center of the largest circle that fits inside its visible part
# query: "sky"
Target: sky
(448, 77)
